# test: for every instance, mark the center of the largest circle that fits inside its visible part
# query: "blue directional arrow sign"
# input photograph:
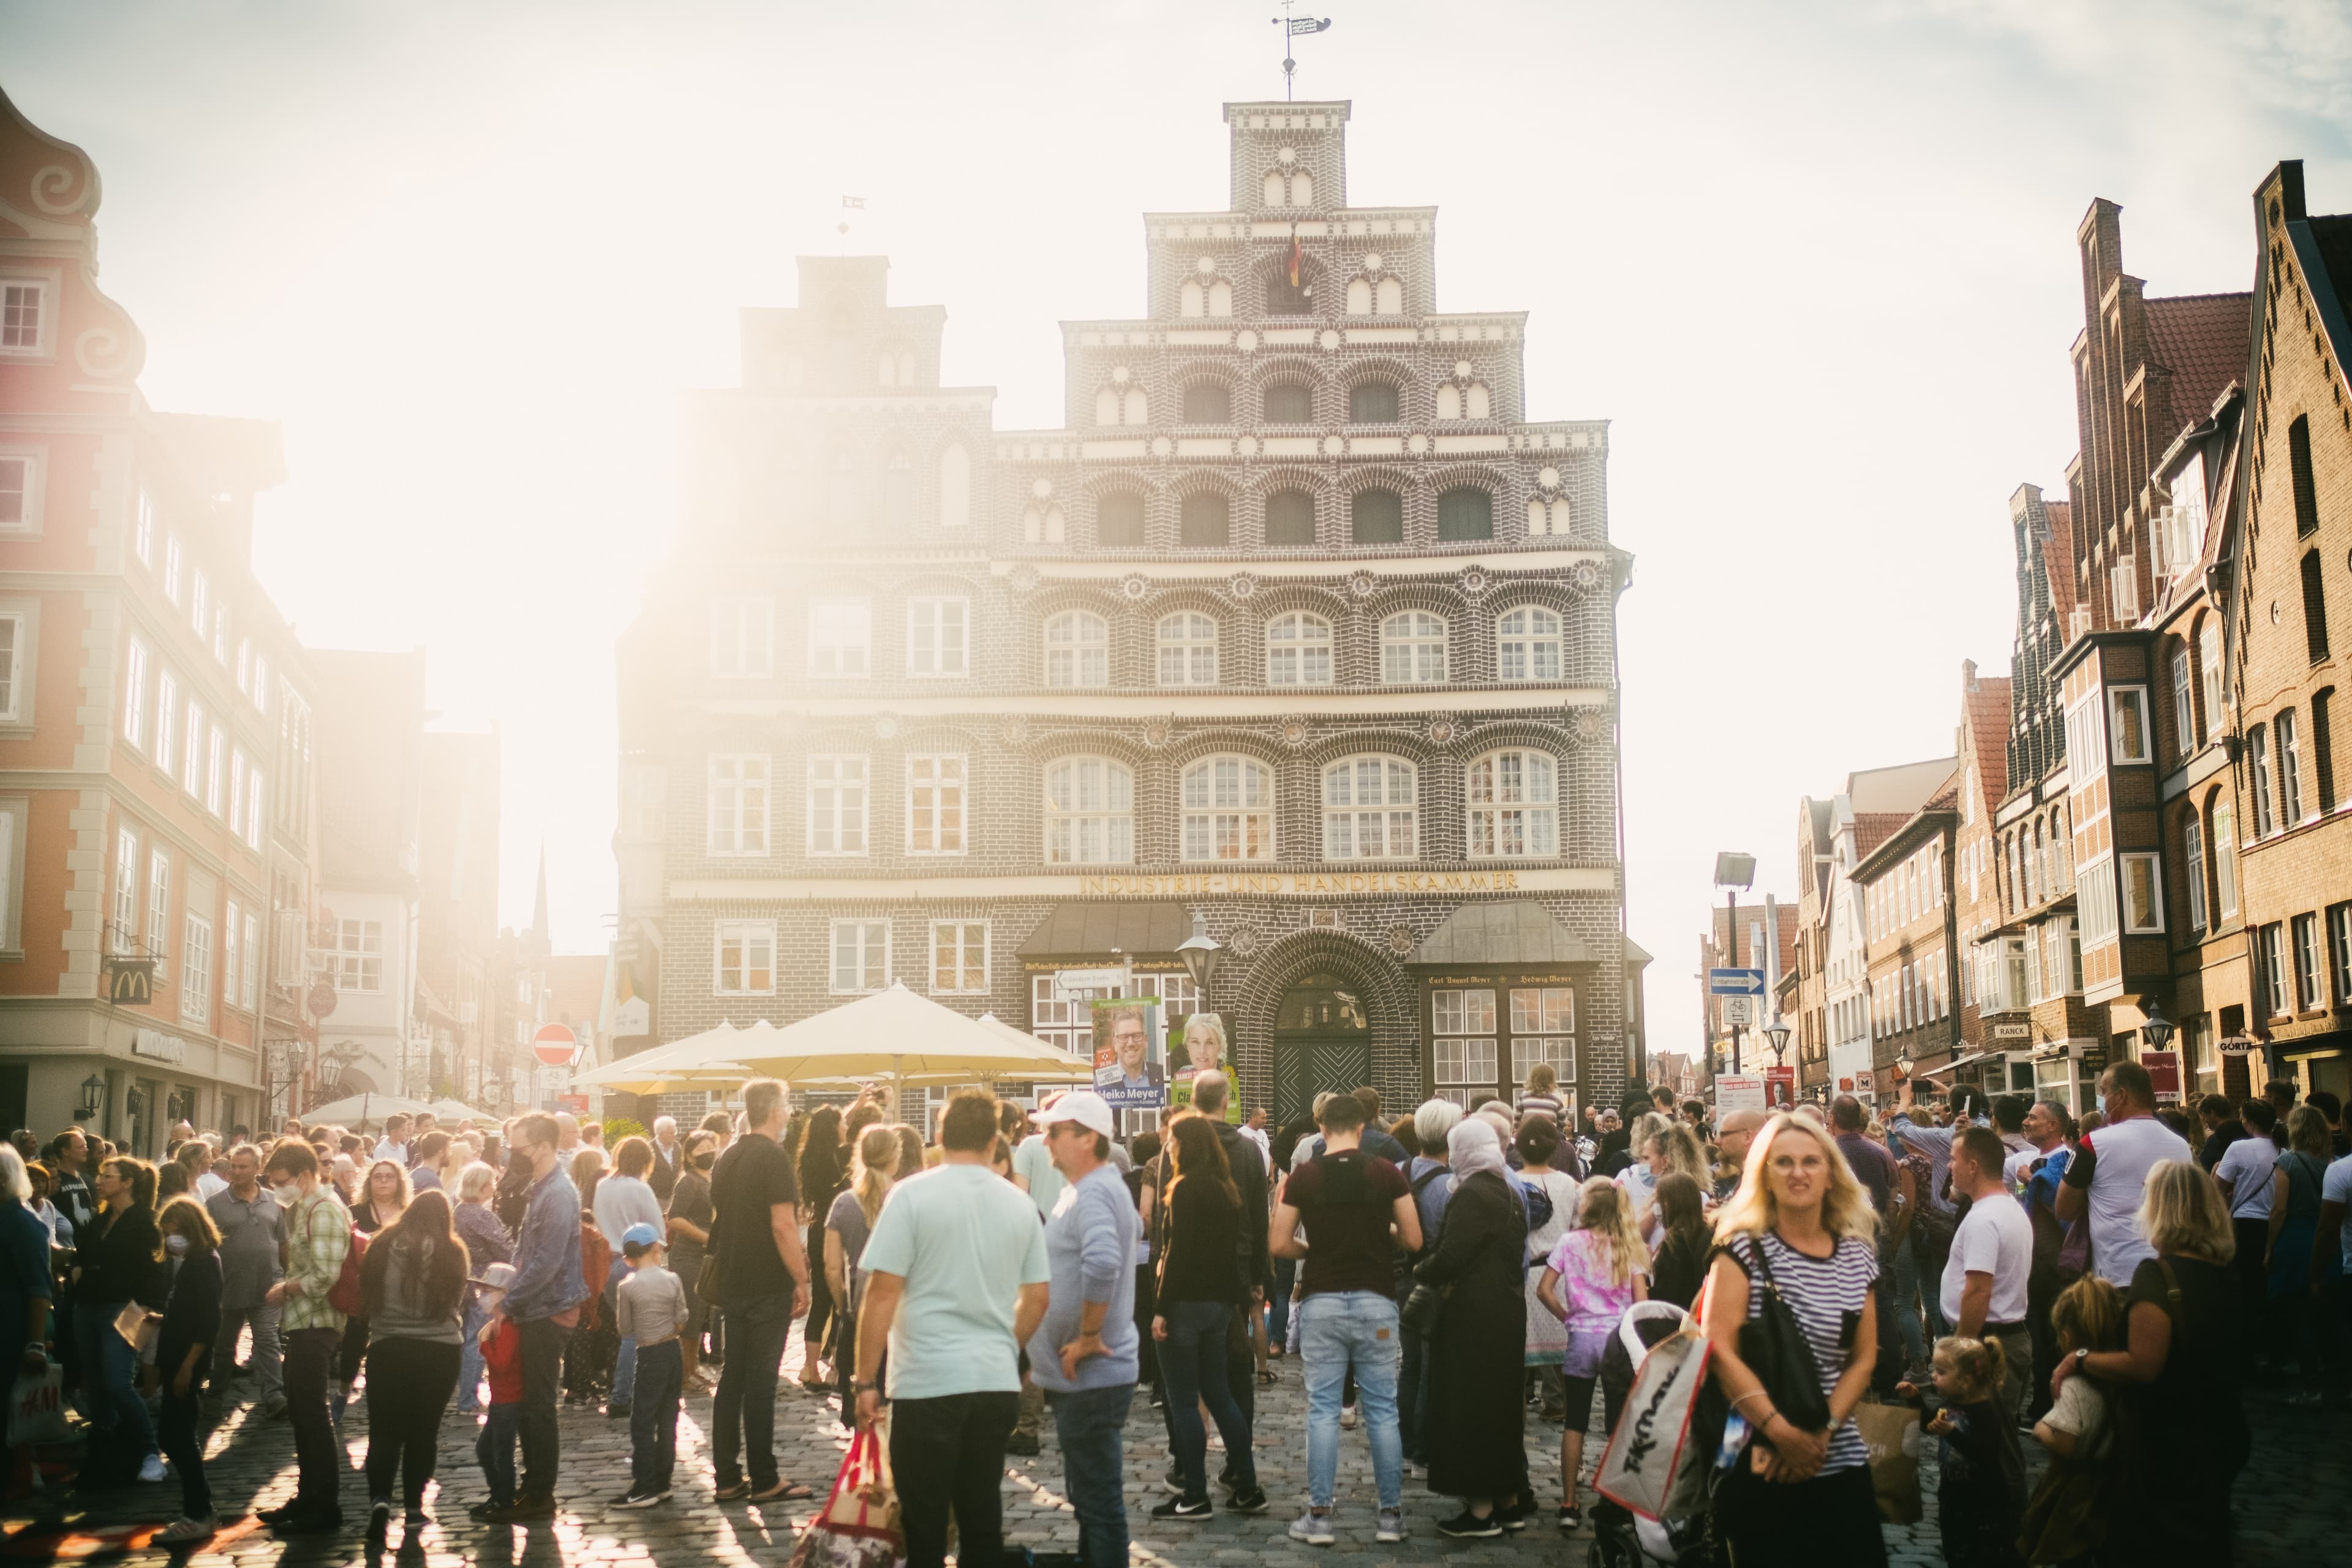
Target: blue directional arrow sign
(1735, 983)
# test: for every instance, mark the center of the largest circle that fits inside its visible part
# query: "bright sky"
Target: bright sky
(1815, 261)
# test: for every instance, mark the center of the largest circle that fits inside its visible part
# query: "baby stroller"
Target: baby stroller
(1623, 1537)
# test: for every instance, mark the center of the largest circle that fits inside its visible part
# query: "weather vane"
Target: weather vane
(1292, 27)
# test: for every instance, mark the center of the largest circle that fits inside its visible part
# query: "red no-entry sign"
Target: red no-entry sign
(556, 1044)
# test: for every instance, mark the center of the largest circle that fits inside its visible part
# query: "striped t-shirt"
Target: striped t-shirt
(1820, 1291)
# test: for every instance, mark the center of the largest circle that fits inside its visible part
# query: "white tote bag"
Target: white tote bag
(1651, 1465)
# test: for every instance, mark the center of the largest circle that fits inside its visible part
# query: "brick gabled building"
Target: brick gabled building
(1983, 740)
(1903, 888)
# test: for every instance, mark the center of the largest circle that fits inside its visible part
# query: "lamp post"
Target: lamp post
(1903, 1066)
(1776, 1035)
(93, 1098)
(1733, 872)
(1201, 954)
(2155, 1029)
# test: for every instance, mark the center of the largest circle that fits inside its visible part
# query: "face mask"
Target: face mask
(703, 1162)
(285, 1193)
(177, 1246)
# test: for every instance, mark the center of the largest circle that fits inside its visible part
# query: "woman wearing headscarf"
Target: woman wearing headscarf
(1474, 1416)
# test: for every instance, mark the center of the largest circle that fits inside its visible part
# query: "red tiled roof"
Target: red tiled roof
(1988, 720)
(1872, 828)
(2058, 560)
(2202, 340)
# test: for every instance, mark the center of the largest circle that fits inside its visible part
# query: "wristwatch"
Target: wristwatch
(2080, 1357)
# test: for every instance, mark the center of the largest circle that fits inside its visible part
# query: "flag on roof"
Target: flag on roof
(1300, 26)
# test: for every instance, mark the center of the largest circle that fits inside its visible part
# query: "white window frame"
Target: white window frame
(167, 718)
(2339, 953)
(2210, 670)
(2192, 866)
(191, 752)
(2258, 765)
(2184, 701)
(172, 564)
(938, 637)
(1346, 814)
(197, 967)
(357, 963)
(840, 638)
(1464, 1057)
(142, 527)
(1185, 649)
(254, 796)
(868, 951)
(749, 968)
(1529, 644)
(159, 903)
(124, 936)
(939, 802)
(1083, 833)
(2225, 861)
(232, 954)
(743, 638)
(2270, 970)
(1501, 814)
(20, 477)
(840, 803)
(200, 600)
(1411, 652)
(1299, 650)
(1078, 650)
(2286, 743)
(237, 792)
(961, 934)
(18, 294)
(2310, 963)
(1226, 803)
(134, 693)
(739, 807)
(249, 985)
(2127, 713)
(2086, 745)
(216, 767)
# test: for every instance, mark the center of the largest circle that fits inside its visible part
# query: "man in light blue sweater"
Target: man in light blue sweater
(1084, 1355)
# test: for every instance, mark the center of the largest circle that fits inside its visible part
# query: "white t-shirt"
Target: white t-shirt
(2245, 1169)
(2335, 1187)
(1995, 1238)
(1034, 1164)
(2127, 1150)
(965, 1241)
(2081, 1410)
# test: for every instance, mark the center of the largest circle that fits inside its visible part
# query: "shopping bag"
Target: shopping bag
(36, 1410)
(1891, 1432)
(138, 1326)
(1653, 1464)
(858, 1526)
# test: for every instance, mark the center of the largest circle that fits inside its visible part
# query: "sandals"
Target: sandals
(1267, 1377)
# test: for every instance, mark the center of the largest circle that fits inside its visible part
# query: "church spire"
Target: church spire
(541, 944)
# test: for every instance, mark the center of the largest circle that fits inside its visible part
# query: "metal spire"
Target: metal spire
(1293, 27)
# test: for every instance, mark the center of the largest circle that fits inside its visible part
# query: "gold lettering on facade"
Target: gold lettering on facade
(1279, 884)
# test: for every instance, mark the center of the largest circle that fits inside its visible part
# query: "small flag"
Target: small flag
(1300, 26)
(857, 202)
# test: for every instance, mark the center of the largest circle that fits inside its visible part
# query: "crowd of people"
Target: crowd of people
(1448, 1281)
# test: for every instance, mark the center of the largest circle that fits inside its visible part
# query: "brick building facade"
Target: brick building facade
(1299, 622)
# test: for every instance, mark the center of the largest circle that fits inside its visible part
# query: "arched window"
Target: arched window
(1208, 403)
(1388, 297)
(1369, 809)
(841, 491)
(1043, 524)
(1372, 402)
(955, 487)
(1289, 403)
(1107, 406)
(1302, 189)
(1188, 650)
(1514, 805)
(1299, 650)
(898, 488)
(1526, 645)
(1221, 298)
(1205, 521)
(896, 367)
(1077, 649)
(1470, 402)
(1296, 190)
(1360, 296)
(2258, 771)
(1547, 517)
(1192, 300)
(1376, 516)
(1089, 812)
(1290, 518)
(1412, 648)
(1284, 298)
(1276, 190)
(1228, 807)
(1118, 518)
(1466, 511)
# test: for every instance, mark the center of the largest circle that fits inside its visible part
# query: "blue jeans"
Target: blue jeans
(1089, 1423)
(625, 1364)
(653, 1418)
(112, 1369)
(470, 1358)
(494, 1450)
(1410, 1384)
(1908, 1302)
(1338, 1331)
(1192, 1369)
(1278, 1304)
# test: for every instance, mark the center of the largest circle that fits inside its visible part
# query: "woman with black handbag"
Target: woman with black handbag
(1794, 1340)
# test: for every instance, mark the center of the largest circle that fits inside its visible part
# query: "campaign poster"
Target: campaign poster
(1781, 1087)
(1130, 1064)
(1202, 1052)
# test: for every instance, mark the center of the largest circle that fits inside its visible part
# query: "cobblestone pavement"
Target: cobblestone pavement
(2294, 1505)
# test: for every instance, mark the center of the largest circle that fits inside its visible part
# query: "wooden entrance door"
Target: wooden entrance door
(1322, 1041)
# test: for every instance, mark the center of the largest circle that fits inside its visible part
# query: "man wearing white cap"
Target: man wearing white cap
(1084, 1354)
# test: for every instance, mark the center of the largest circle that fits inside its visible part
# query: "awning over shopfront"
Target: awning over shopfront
(1513, 934)
(1096, 929)
(1959, 1062)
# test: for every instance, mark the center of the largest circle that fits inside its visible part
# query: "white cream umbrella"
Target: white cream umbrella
(356, 1110)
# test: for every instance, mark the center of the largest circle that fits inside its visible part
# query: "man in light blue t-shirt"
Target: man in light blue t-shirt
(956, 1282)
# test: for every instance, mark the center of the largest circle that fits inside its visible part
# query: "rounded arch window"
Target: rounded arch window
(1089, 812)
(1369, 809)
(1513, 804)
(1077, 649)
(1188, 650)
(1205, 521)
(1372, 402)
(1208, 403)
(1118, 518)
(1376, 516)
(1228, 809)
(1284, 297)
(1289, 403)
(1321, 1004)
(1115, 404)
(955, 486)
(1466, 511)
(1412, 648)
(1299, 650)
(1290, 518)
(899, 487)
(1526, 645)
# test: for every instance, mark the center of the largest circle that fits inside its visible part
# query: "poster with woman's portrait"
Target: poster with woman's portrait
(1204, 1053)
(1130, 1066)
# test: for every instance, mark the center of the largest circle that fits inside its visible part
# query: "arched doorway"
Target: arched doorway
(1322, 1040)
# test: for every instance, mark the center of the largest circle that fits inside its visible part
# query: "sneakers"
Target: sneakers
(635, 1498)
(1313, 1528)
(1185, 1508)
(310, 1521)
(379, 1518)
(1514, 1515)
(150, 1468)
(1175, 1483)
(1251, 1501)
(1572, 1518)
(483, 1511)
(415, 1515)
(1391, 1526)
(525, 1510)
(274, 1411)
(1348, 1417)
(1468, 1526)
(1022, 1445)
(187, 1531)
(617, 1410)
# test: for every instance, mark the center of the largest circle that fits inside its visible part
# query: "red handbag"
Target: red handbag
(858, 1526)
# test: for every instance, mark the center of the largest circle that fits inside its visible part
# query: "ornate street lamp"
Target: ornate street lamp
(94, 1097)
(1903, 1066)
(2156, 1029)
(1776, 1035)
(1201, 954)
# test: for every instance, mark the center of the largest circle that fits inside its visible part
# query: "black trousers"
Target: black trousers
(2253, 1290)
(948, 1457)
(408, 1388)
(310, 1358)
(542, 1371)
(1832, 1518)
(822, 1310)
(184, 1446)
(353, 1352)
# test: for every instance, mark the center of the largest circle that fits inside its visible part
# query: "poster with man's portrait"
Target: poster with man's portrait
(1203, 1053)
(1130, 1066)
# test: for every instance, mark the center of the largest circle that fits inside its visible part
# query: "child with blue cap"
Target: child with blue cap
(650, 1308)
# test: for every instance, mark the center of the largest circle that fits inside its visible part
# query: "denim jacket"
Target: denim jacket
(546, 1252)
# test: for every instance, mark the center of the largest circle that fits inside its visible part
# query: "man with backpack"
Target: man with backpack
(310, 1334)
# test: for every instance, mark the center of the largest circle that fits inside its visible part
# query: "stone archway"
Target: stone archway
(1324, 1011)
